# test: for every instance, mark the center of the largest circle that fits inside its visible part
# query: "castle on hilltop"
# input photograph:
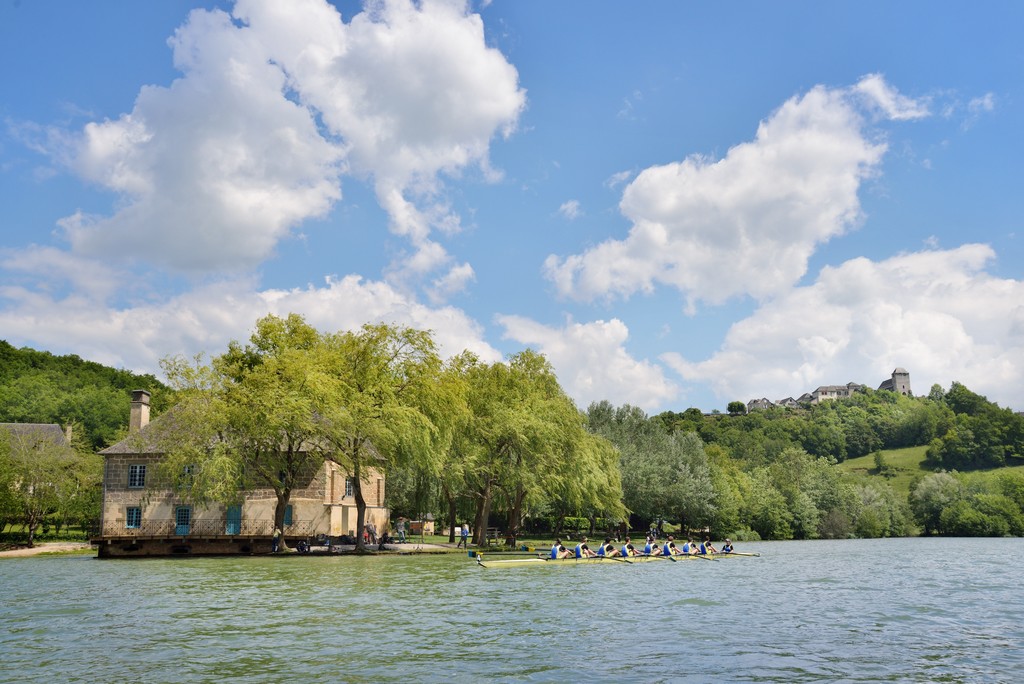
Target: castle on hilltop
(899, 383)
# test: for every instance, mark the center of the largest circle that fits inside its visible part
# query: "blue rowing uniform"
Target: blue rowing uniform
(579, 550)
(649, 548)
(703, 549)
(625, 550)
(667, 550)
(686, 547)
(600, 550)
(554, 552)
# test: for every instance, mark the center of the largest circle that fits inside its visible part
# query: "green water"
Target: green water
(874, 610)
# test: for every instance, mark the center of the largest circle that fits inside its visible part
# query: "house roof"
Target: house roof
(50, 431)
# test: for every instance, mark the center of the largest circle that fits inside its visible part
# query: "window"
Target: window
(133, 517)
(348, 487)
(136, 475)
(288, 515)
(187, 476)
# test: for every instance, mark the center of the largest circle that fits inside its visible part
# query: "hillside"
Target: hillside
(40, 387)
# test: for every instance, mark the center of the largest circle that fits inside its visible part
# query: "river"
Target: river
(906, 610)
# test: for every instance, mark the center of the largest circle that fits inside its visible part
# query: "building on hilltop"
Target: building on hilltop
(835, 392)
(143, 517)
(898, 383)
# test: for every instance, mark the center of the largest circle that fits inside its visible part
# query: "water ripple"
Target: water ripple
(917, 610)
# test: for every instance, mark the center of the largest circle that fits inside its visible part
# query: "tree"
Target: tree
(39, 467)
(248, 420)
(736, 408)
(381, 404)
(930, 496)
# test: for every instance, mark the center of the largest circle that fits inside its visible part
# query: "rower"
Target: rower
(607, 549)
(584, 551)
(558, 550)
(727, 546)
(670, 547)
(706, 547)
(628, 549)
(651, 548)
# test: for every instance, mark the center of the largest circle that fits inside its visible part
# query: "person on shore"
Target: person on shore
(463, 536)
(706, 547)
(558, 551)
(670, 548)
(400, 529)
(275, 542)
(727, 546)
(584, 551)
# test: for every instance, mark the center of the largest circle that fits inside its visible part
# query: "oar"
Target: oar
(661, 557)
(704, 556)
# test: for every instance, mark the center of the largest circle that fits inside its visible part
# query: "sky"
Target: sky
(679, 204)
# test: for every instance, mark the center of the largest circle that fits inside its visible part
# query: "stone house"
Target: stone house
(142, 517)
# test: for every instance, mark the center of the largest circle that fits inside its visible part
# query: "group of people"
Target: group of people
(651, 548)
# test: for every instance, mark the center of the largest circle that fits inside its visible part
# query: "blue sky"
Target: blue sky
(681, 206)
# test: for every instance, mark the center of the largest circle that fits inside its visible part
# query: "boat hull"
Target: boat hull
(598, 560)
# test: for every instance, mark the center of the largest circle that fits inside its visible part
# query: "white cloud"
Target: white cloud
(205, 319)
(592, 363)
(212, 171)
(455, 281)
(411, 88)
(892, 104)
(617, 179)
(570, 210)
(273, 109)
(936, 313)
(747, 223)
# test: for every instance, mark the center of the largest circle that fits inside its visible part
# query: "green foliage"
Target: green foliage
(38, 387)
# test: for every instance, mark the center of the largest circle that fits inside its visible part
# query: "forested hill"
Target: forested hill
(39, 387)
(962, 430)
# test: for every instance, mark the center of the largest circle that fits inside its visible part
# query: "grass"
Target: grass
(903, 467)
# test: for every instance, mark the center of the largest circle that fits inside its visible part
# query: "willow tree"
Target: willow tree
(532, 445)
(381, 403)
(246, 421)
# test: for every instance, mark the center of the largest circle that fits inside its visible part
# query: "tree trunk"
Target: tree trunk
(283, 496)
(483, 512)
(452, 514)
(515, 517)
(357, 492)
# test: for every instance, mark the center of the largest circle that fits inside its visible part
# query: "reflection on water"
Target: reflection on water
(867, 610)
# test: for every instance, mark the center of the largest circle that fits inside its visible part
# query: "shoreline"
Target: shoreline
(46, 547)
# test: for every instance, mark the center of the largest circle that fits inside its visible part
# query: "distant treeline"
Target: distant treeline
(39, 387)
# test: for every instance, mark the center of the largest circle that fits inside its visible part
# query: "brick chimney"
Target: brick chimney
(140, 411)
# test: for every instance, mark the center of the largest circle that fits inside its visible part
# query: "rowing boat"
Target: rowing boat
(602, 560)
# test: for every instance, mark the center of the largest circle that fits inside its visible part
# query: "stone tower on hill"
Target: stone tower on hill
(899, 383)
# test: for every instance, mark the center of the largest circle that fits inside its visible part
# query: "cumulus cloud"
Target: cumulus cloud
(746, 223)
(138, 335)
(411, 88)
(592, 362)
(936, 313)
(276, 104)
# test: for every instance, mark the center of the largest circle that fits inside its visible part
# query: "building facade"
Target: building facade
(143, 517)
